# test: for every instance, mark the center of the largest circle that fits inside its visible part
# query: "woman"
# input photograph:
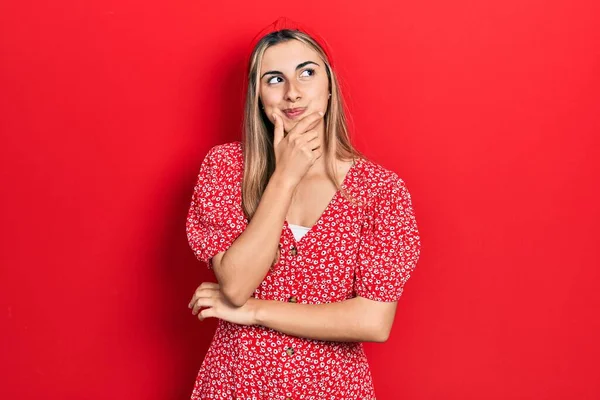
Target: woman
(311, 243)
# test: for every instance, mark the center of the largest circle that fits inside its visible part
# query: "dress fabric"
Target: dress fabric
(368, 249)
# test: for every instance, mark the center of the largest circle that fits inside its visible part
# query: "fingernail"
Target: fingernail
(321, 113)
(274, 116)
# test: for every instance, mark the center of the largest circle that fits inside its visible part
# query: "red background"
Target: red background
(489, 111)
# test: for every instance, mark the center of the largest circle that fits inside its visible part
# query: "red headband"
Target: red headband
(286, 23)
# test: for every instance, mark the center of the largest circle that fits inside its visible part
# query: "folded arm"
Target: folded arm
(353, 320)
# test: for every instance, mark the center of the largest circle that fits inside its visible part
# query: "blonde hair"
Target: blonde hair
(257, 139)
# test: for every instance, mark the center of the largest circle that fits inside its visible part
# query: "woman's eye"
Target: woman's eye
(270, 80)
(312, 71)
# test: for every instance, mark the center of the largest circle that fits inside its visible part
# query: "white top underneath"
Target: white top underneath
(298, 230)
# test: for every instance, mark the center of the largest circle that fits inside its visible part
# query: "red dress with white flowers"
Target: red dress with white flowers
(366, 250)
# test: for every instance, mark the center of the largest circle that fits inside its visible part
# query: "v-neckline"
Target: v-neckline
(327, 209)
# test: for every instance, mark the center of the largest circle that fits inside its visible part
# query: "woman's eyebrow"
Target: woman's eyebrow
(297, 68)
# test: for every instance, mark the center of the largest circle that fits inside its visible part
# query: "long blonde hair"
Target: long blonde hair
(257, 139)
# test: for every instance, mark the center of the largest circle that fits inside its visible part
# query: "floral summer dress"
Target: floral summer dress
(367, 250)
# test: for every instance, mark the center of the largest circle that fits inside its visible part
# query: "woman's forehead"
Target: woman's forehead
(287, 55)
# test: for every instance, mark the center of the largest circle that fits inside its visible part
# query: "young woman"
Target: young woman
(311, 243)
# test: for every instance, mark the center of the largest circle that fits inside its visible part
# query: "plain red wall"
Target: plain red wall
(489, 111)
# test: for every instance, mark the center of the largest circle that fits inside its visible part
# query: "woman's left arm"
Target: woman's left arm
(353, 320)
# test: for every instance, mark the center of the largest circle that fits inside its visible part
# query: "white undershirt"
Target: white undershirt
(298, 230)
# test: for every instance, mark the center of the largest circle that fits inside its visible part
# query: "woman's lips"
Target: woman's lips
(294, 113)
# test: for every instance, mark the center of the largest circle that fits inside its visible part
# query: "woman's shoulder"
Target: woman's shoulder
(229, 153)
(223, 161)
(377, 178)
(383, 187)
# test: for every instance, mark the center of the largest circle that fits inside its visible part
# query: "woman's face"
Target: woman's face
(293, 76)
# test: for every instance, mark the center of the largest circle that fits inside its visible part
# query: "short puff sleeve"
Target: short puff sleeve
(215, 217)
(389, 246)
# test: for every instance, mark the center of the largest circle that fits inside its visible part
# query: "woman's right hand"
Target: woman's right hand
(299, 149)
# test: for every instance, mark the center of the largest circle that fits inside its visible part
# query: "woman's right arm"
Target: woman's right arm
(243, 266)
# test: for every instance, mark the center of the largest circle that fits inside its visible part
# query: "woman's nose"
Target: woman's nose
(292, 92)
